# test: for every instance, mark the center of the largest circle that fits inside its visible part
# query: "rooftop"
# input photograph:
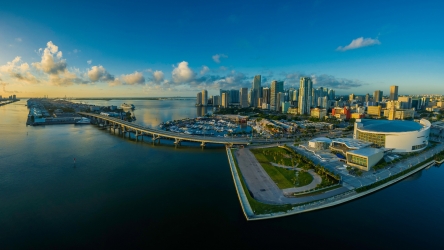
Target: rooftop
(366, 151)
(352, 143)
(389, 126)
(321, 139)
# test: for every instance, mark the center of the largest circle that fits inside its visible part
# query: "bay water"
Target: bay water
(122, 193)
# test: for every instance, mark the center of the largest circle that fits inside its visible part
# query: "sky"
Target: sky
(177, 48)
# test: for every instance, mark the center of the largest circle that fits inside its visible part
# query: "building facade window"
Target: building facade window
(359, 160)
(416, 147)
(378, 139)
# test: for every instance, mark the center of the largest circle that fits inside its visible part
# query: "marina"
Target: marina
(208, 126)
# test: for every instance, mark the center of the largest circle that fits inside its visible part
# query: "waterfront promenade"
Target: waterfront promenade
(332, 198)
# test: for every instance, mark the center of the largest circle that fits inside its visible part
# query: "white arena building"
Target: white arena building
(399, 136)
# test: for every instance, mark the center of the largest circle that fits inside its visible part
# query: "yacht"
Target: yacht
(83, 120)
(127, 106)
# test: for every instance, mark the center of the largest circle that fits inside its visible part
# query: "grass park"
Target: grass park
(283, 177)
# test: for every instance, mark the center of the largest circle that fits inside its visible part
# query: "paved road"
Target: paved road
(262, 186)
(370, 177)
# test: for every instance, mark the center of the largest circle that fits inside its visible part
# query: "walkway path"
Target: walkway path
(316, 180)
(262, 187)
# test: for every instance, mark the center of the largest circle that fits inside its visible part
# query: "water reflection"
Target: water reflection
(202, 111)
(414, 177)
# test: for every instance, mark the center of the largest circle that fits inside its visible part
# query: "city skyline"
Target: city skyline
(217, 46)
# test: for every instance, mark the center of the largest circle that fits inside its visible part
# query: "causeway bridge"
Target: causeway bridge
(157, 134)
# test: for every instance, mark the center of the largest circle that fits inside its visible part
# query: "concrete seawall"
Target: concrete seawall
(246, 208)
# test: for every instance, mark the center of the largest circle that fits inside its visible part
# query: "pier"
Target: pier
(112, 123)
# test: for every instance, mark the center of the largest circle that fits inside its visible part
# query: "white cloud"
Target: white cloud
(182, 73)
(359, 43)
(49, 64)
(89, 61)
(99, 73)
(204, 70)
(158, 76)
(18, 39)
(132, 79)
(18, 71)
(56, 67)
(217, 57)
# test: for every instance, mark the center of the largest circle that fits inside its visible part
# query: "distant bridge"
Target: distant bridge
(157, 134)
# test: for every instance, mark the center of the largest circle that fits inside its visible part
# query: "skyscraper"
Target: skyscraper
(280, 98)
(393, 93)
(234, 96)
(276, 87)
(199, 98)
(351, 97)
(244, 98)
(406, 102)
(257, 82)
(224, 99)
(266, 95)
(204, 97)
(305, 89)
(254, 94)
(377, 96)
(216, 101)
(331, 94)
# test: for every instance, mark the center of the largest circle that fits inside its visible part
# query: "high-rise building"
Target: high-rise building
(393, 93)
(279, 100)
(255, 91)
(266, 95)
(216, 101)
(351, 97)
(276, 87)
(204, 97)
(233, 98)
(305, 91)
(295, 95)
(331, 94)
(406, 102)
(285, 106)
(377, 96)
(244, 98)
(257, 82)
(199, 98)
(225, 99)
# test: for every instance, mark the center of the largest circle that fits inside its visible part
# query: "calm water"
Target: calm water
(126, 194)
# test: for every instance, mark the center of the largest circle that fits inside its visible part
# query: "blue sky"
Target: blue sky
(171, 48)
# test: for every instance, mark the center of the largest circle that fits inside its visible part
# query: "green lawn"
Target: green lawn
(284, 178)
(258, 207)
(278, 175)
(303, 179)
(276, 155)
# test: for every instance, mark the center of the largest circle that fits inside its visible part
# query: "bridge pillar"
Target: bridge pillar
(177, 141)
(155, 138)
